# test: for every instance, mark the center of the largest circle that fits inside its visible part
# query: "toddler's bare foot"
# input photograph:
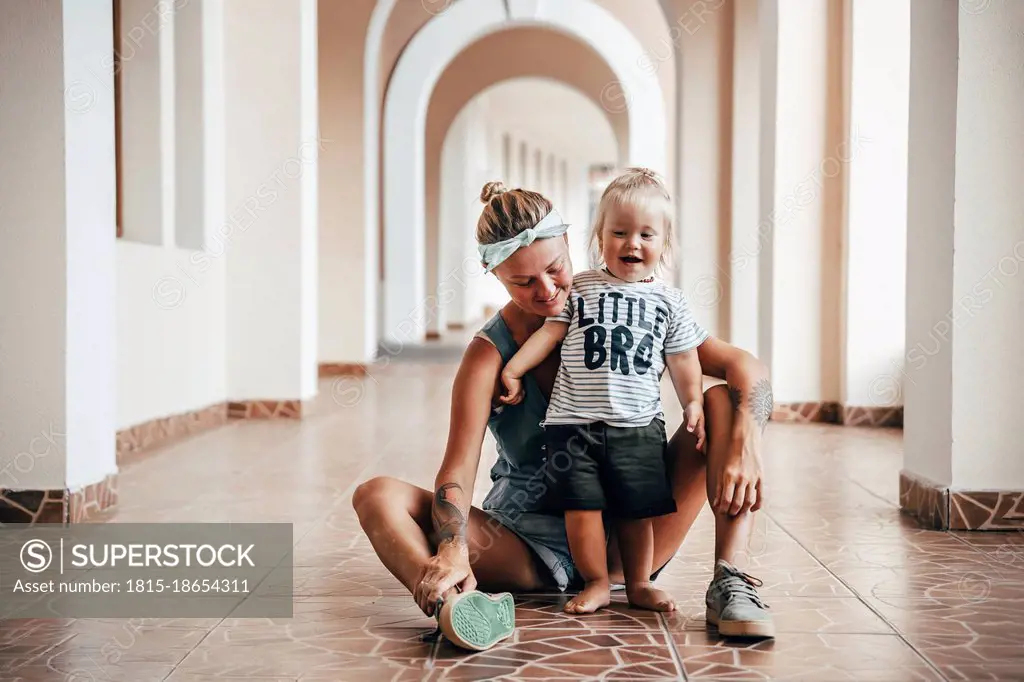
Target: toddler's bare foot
(595, 595)
(646, 596)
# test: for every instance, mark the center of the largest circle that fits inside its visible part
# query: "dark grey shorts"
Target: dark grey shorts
(620, 470)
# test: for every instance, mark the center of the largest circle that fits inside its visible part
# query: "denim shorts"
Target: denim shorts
(545, 535)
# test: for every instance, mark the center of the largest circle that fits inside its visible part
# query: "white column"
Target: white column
(271, 224)
(348, 260)
(464, 170)
(792, 137)
(743, 266)
(965, 245)
(188, 141)
(146, 71)
(878, 39)
(576, 213)
(57, 266)
(701, 130)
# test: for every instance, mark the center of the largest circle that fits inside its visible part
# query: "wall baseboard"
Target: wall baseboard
(156, 432)
(32, 507)
(827, 412)
(341, 369)
(943, 508)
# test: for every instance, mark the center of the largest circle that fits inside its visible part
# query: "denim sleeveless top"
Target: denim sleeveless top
(518, 475)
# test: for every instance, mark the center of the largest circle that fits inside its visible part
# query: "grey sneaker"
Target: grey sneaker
(734, 606)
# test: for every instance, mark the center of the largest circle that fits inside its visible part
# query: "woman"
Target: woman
(436, 544)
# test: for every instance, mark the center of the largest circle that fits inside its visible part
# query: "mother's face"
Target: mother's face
(538, 277)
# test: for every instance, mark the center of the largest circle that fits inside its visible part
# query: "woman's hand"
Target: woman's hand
(445, 571)
(739, 474)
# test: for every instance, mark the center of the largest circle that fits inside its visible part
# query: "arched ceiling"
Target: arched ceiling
(518, 53)
(569, 124)
(644, 18)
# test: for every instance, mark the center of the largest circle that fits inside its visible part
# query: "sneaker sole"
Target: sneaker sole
(740, 628)
(478, 621)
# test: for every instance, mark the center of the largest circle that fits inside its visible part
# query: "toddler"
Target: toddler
(621, 327)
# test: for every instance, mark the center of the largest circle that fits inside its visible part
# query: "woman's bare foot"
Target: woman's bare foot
(646, 596)
(595, 595)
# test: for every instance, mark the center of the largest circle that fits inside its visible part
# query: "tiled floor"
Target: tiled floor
(858, 592)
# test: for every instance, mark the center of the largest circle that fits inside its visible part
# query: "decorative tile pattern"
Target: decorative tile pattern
(265, 409)
(858, 590)
(32, 506)
(806, 413)
(575, 654)
(58, 506)
(833, 413)
(85, 504)
(872, 416)
(794, 656)
(342, 369)
(925, 500)
(943, 509)
(159, 432)
(996, 510)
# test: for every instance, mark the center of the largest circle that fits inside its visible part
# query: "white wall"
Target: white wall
(33, 242)
(147, 128)
(987, 324)
(876, 240)
(271, 151)
(744, 246)
(928, 415)
(700, 163)
(790, 316)
(90, 218)
(191, 67)
(170, 332)
(56, 245)
(347, 260)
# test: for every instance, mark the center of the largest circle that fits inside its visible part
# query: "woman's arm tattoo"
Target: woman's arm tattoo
(449, 522)
(760, 403)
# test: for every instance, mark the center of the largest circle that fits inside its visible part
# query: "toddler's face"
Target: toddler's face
(633, 239)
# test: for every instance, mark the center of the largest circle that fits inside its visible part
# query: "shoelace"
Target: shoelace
(734, 584)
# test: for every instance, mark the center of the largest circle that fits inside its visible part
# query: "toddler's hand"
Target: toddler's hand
(514, 386)
(693, 417)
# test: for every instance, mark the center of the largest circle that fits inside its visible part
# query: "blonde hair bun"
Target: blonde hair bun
(491, 190)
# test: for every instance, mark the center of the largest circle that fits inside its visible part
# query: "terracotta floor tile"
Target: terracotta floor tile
(545, 613)
(563, 654)
(840, 615)
(983, 620)
(931, 584)
(778, 582)
(802, 656)
(843, 569)
(951, 555)
(381, 648)
(178, 676)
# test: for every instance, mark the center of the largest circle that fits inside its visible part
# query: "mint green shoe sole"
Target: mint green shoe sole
(476, 620)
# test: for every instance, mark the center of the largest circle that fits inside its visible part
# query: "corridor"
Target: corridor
(857, 590)
(244, 243)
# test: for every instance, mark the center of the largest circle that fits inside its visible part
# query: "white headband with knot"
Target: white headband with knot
(494, 255)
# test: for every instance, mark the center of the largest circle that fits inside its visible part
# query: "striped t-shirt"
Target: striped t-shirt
(613, 352)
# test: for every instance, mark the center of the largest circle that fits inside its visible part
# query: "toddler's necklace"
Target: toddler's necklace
(648, 280)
